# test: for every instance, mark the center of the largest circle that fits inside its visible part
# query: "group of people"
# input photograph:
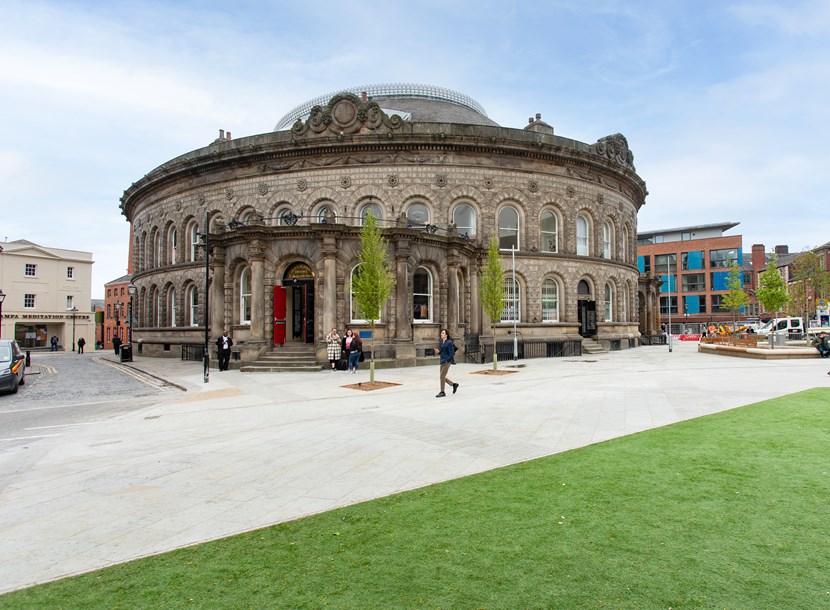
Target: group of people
(348, 349)
(822, 344)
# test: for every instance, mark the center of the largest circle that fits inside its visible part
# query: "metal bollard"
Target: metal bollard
(28, 358)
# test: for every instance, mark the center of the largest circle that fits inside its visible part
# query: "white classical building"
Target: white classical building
(47, 292)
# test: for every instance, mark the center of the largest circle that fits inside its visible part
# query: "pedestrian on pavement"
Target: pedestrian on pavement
(333, 348)
(81, 343)
(224, 344)
(54, 342)
(446, 352)
(352, 346)
(822, 344)
(116, 344)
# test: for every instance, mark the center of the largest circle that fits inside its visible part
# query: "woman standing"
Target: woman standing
(446, 351)
(333, 348)
(351, 345)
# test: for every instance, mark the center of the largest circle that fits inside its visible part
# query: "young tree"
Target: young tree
(736, 298)
(491, 289)
(772, 290)
(811, 282)
(373, 280)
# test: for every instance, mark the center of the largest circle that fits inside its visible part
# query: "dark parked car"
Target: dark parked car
(12, 366)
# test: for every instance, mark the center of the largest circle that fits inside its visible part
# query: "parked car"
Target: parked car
(12, 366)
(787, 325)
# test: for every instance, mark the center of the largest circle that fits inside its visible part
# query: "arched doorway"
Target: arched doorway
(294, 306)
(586, 310)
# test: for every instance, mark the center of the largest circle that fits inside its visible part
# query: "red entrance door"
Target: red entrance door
(279, 315)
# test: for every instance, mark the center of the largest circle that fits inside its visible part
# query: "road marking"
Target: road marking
(89, 423)
(210, 394)
(26, 438)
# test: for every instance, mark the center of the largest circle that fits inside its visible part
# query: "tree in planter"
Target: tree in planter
(736, 298)
(772, 290)
(373, 280)
(491, 289)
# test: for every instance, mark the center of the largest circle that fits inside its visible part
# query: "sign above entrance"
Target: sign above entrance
(299, 271)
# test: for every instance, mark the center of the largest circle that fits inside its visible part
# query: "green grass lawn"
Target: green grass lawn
(726, 511)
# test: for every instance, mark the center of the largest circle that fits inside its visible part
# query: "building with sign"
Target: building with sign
(282, 213)
(48, 293)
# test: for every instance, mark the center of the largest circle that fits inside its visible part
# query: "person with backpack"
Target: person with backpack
(446, 353)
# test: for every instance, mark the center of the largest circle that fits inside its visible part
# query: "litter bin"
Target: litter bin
(126, 352)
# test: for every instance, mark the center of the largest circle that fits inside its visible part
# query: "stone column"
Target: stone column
(217, 293)
(475, 302)
(330, 303)
(405, 354)
(256, 254)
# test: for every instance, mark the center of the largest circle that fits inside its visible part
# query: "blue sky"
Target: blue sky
(724, 104)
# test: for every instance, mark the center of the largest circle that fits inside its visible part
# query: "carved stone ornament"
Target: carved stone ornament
(201, 199)
(489, 183)
(302, 185)
(346, 114)
(229, 193)
(570, 192)
(441, 180)
(533, 186)
(615, 147)
(392, 180)
(179, 205)
(345, 182)
(600, 198)
(262, 189)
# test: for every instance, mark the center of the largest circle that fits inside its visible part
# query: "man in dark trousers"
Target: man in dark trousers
(81, 343)
(116, 344)
(224, 343)
(54, 341)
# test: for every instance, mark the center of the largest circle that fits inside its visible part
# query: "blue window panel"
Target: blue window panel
(692, 304)
(641, 264)
(695, 260)
(719, 280)
(669, 284)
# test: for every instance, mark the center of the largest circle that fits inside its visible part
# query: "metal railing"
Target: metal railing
(532, 348)
(193, 351)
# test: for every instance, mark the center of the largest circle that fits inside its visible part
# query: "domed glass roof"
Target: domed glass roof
(413, 102)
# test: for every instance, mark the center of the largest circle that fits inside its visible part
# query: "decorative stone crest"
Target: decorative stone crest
(570, 192)
(489, 183)
(392, 180)
(615, 147)
(201, 199)
(441, 180)
(346, 114)
(229, 193)
(533, 186)
(345, 182)
(262, 189)
(600, 198)
(302, 185)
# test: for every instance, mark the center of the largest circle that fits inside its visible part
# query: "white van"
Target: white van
(788, 325)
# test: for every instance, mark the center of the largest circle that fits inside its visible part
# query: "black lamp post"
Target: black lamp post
(2, 298)
(206, 246)
(74, 311)
(132, 290)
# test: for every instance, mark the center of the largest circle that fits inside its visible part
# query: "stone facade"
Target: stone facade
(284, 209)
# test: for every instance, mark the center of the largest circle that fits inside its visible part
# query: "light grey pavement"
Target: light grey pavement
(252, 449)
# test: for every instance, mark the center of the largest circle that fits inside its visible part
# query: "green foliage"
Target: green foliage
(811, 281)
(372, 282)
(772, 290)
(491, 289)
(736, 297)
(724, 511)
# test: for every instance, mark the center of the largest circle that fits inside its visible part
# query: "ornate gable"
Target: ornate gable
(346, 114)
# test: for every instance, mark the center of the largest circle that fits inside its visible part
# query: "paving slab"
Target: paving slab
(248, 450)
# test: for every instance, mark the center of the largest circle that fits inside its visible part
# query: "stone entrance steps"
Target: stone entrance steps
(290, 358)
(591, 346)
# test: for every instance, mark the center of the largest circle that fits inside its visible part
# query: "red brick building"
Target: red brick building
(693, 263)
(116, 310)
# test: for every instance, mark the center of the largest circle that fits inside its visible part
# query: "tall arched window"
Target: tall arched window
(417, 214)
(508, 228)
(156, 249)
(512, 301)
(582, 235)
(548, 232)
(422, 295)
(245, 296)
(374, 208)
(624, 304)
(192, 299)
(609, 303)
(607, 238)
(625, 245)
(326, 213)
(193, 240)
(157, 312)
(464, 219)
(550, 301)
(174, 245)
(171, 307)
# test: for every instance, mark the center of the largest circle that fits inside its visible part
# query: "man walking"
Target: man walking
(54, 342)
(224, 343)
(446, 352)
(81, 343)
(116, 344)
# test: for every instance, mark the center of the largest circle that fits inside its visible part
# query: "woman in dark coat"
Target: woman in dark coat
(352, 346)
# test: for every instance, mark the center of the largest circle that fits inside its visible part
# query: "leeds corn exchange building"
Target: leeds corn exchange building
(283, 210)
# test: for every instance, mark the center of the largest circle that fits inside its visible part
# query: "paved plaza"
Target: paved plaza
(247, 450)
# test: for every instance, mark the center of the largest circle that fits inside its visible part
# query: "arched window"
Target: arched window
(245, 296)
(607, 238)
(171, 307)
(550, 301)
(192, 306)
(374, 208)
(609, 303)
(417, 214)
(193, 239)
(422, 295)
(284, 217)
(157, 301)
(582, 235)
(512, 301)
(548, 230)
(174, 244)
(625, 245)
(624, 304)
(464, 218)
(156, 249)
(356, 314)
(508, 228)
(326, 213)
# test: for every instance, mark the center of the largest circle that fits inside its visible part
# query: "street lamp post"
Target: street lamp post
(74, 311)
(2, 298)
(132, 290)
(206, 353)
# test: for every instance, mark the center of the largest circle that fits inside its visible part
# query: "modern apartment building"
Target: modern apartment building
(693, 264)
(48, 293)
